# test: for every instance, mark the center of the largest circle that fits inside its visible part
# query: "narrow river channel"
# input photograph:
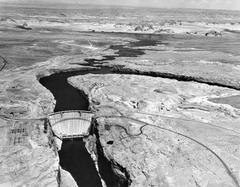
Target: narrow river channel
(74, 157)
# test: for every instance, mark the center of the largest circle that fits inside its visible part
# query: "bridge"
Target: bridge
(71, 123)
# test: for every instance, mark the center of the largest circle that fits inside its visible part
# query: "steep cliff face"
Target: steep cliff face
(28, 148)
(165, 132)
(110, 172)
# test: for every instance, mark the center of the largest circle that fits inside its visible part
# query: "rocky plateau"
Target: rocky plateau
(165, 132)
(167, 116)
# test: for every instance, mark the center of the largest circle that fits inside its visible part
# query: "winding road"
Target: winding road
(145, 124)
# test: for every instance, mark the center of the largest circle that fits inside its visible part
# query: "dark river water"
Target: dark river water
(67, 97)
(74, 157)
(24, 48)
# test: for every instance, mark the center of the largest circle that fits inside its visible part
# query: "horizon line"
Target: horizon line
(30, 4)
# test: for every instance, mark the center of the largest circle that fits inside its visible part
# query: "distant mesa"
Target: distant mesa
(138, 28)
(7, 19)
(164, 31)
(213, 33)
(171, 23)
(193, 32)
(144, 27)
(63, 15)
(232, 31)
(24, 26)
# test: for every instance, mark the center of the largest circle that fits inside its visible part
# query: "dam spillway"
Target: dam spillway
(71, 124)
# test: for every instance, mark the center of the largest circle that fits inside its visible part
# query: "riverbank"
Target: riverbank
(157, 124)
(32, 143)
(156, 128)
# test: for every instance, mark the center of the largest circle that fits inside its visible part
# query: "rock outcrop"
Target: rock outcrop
(165, 132)
(24, 26)
(144, 27)
(213, 33)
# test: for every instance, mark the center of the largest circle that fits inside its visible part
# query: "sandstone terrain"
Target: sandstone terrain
(167, 115)
(165, 132)
(28, 148)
